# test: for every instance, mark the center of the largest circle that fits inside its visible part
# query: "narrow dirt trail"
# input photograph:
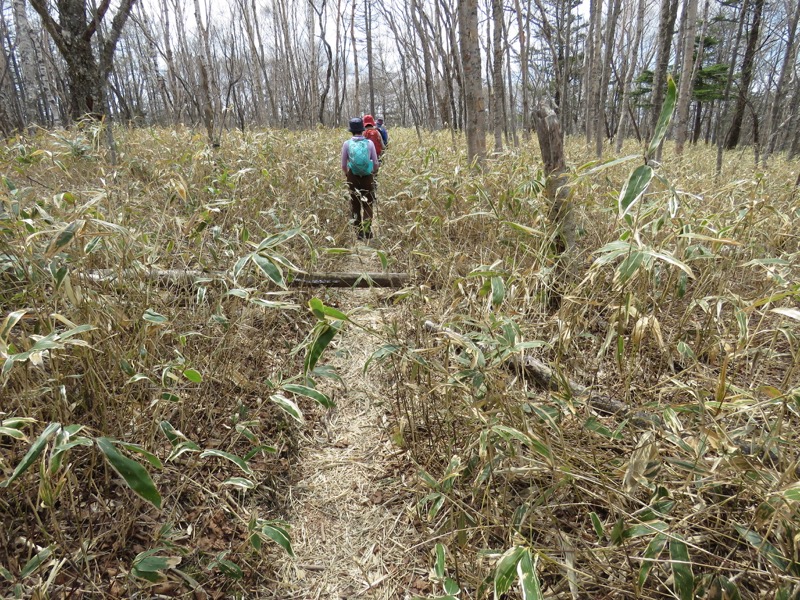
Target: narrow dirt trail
(350, 512)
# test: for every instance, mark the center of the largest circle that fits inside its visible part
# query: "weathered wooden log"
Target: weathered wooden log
(184, 277)
(544, 376)
(360, 280)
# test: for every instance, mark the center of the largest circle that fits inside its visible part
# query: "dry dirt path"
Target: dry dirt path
(351, 513)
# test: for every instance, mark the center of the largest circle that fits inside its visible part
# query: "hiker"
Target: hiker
(383, 131)
(360, 164)
(371, 133)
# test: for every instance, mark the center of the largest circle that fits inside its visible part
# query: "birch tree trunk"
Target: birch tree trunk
(27, 59)
(685, 90)
(789, 58)
(524, 78)
(626, 92)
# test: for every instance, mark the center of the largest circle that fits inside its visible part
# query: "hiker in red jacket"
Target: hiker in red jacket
(372, 134)
(360, 164)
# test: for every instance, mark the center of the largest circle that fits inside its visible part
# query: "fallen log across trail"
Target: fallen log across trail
(169, 277)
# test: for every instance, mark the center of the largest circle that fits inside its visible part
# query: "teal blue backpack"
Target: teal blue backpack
(358, 160)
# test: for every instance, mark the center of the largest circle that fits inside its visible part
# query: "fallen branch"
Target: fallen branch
(183, 277)
(543, 375)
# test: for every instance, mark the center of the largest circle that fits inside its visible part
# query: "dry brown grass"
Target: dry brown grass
(707, 357)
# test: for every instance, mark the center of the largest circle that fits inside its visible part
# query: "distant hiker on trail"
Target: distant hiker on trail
(360, 164)
(373, 135)
(383, 131)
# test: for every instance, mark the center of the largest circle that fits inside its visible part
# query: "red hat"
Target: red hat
(368, 120)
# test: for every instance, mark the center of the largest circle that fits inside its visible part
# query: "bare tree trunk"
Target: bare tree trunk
(732, 140)
(370, 61)
(523, 57)
(27, 59)
(685, 91)
(357, 95)
(473, 92)
(776, 105)
(498, 98)
(666, 26)
(611, 30)
(626, 93)
(551, 144)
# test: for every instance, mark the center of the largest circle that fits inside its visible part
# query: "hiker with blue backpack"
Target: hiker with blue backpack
(383, 131)
(360, 165)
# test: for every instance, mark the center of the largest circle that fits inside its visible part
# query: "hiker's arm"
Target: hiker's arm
(344, 157)
(373, 156)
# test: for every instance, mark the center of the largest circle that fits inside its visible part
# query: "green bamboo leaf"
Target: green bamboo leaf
(498, 291)
(527, 439)
(134, 474)
(35, 450)
(651, 554)
(323, 312)
(634, 188)
(229, 457)
(13, 433)
(770, 552)
(663, 256)
(6, 574)
(147, 455)
(278, 535)
(278, 238)
(65, 236)
(681, 568)
(272, 271)
(629, 266)
(598, 526)
(528, 580)
(288, 406)
(228, 568)
(324, 333)
(152, 316)
(439, 565)
(308, 392)
(506, 570)
(35, 562)
(451, 588)
(241, 482)
(193, 375)
(664, 118)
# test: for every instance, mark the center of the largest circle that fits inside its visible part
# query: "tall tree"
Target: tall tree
(27, 59)
(87, 68)
(685, 89)
(732, 139)
(626, 90)
(666, 30)
(498, 98)
(473, 92)
(789, 57)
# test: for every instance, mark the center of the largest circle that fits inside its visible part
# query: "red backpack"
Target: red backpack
(375, 136)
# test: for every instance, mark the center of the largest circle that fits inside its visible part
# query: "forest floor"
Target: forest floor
(351, 505)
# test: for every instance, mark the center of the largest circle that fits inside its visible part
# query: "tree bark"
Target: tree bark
(666, 27)
(498, 98)
(72, 34)
(551, 144)
(685, 91)
(473, 92)
(732, 139)
(626, 92)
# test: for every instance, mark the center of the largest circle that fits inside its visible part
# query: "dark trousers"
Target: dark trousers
(362, 198)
